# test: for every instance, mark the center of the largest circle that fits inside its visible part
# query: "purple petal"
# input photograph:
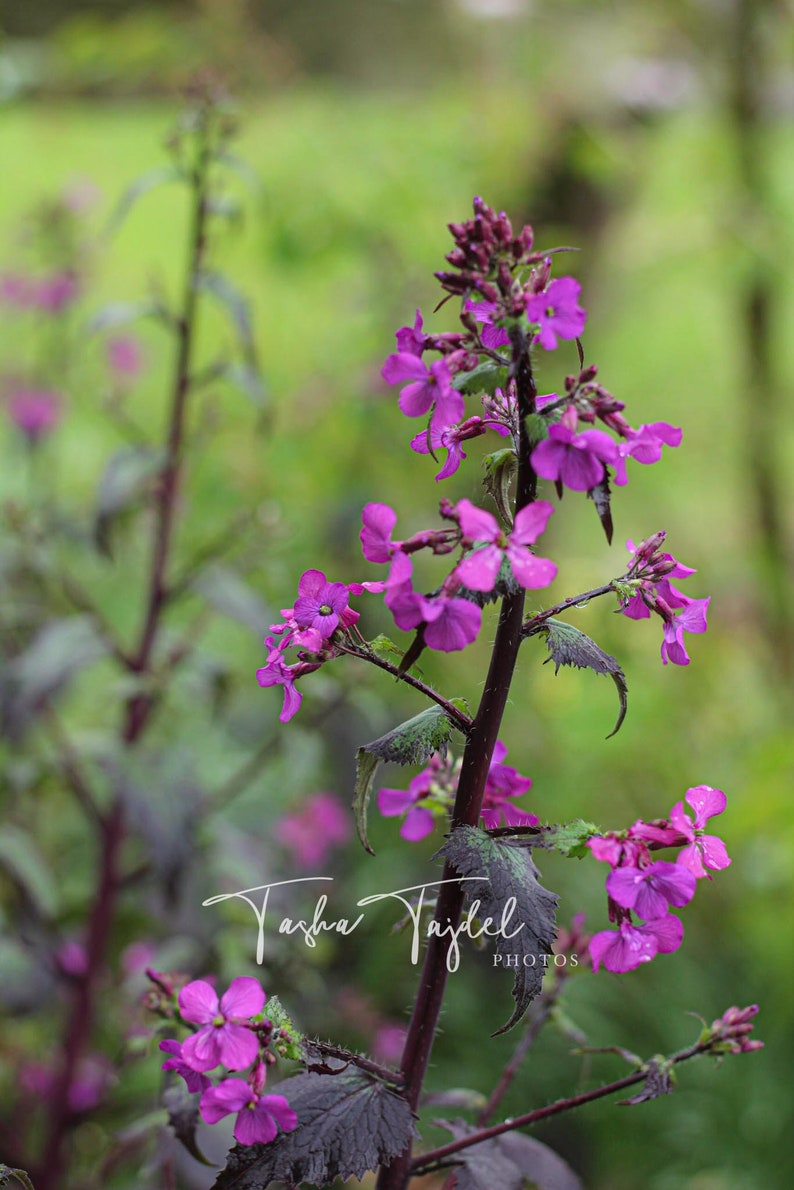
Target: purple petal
(530, 522)
(378, 524)
(475, 523)
(233, 1094)
(418, 824)
(416, 399)
(529, 571)
(202, 1051)
(238, 1046)
(403, 366)
(580, 471)
(456, 625)
(478, 570)
(281, 1111)
(622, 950)
(392, 802)
(667, 931)
(714, 852)
(245, 998)
(198, 1002)
(311, 583)
(706, 802)
(255, 1127)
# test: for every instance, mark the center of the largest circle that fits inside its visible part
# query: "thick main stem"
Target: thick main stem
(112, 825)
(468, 803)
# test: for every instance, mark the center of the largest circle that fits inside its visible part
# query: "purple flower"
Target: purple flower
(224, 1036)
(691, 619)
(450, 438)
(277, 673)
(124, 356)
(503, 783)
(418, 819)
(625, 948)
(259, 1117)
(557, 312)
(649, 891)
(321, 605)
(703, 851)
(412, 340)
(55, 292)
(378, 522)
(405, 604)
(34, 411)
(451, 624)
(492, 336)
(575, 460)
(479, 569)
(645, 445)
(429, 388)
(194, 1079)
(315, 829)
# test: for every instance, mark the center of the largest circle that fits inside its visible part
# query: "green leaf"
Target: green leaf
(348, 1123)
(225, 590)
(129, 475)
(27, 867)
(511, 1161)
(287, 1040)
(383, 647)
(141, 186)
(485, 378)
(366, 767)
(507, 877)
(414, 741)
(568, 646)
(499, 470)
(569, 838)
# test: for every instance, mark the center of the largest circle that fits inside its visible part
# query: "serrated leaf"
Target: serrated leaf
(143, 185)
(569, 646)
(485, 378)
(128, 475)
(226, 591)
(508, 878)
(366, 767)
(348, 1123)
(511, 1162)
(600, 495)
(22, 860)
(570, 838)
(183, 1116)
(414, 741)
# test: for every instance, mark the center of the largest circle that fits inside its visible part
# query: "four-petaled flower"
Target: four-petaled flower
(575, 460)
(195, 1080)
(702, 851)
(314, 829)
(650, 890)
(428, 388)
(557, 312)
(224, 1035)
(479, 569)
(625, 948)
(321, 605)
(259, 1117)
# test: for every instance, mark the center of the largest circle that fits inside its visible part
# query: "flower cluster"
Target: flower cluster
(648, 888)
(648, 589)
(431, 794)
(232, 1032)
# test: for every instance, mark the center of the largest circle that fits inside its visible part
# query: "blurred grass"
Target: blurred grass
(335, 254)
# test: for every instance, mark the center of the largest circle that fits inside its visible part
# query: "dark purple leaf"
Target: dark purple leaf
(510, 1162)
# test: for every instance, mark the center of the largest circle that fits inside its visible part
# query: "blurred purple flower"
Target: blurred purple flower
(194, 1079)
(312, 831)
(34, 411)
(502, 784)
(124, 356)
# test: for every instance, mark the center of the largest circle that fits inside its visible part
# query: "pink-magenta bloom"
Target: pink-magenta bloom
(195, 1080)
(57, 291)
(645, 445)
(625, 948)
(703, 851)
(575, 460)
(428, 388)
(503, 784)
(224, 1036)
(691, 618)
(405, 604)
(418, 819)
(259, 1117)
(321, 605)
(277, 673)
(124, 356)
(557, 312)
(375, 537)
(34, 411)
(492, 336)
(451, 624)
(412, 340)
(478, 570)
(312, 831)
(649, 891)
(449, 438)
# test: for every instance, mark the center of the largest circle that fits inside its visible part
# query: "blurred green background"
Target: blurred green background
(659, 140)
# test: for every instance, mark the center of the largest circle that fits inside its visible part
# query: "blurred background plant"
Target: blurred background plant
(658, 138)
